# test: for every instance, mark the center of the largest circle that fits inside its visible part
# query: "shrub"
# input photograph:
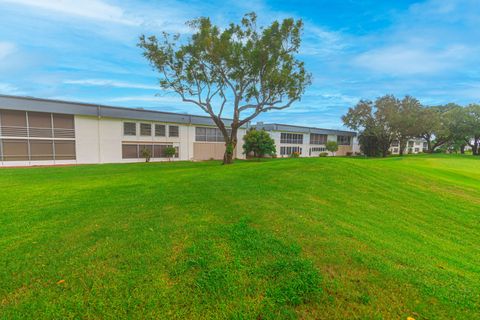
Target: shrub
(170, 152)
(323, 154)
(295, 154)
(147, 154)
(259, 143)
(349, 154)
(332, 146)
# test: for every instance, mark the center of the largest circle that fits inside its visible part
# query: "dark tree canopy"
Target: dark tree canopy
(244, 68)
(259, 143)
(371, 121)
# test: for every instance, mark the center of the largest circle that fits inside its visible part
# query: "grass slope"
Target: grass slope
(297, 238)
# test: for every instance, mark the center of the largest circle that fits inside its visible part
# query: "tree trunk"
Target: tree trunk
(403, 146)
(230, 145)
(475, 147)
(462, 149)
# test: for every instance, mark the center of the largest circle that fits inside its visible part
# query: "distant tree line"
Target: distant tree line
(388, 119)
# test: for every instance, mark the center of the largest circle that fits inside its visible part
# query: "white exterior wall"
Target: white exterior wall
(100, 141)
(276, 135)
(416, 148)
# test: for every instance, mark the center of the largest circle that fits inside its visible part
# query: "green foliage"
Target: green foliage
(259, 142)
(147, 154)
(170, 152)
(295, 154)
(313, 239)
(229, 148)
(274, 270)
(323, 154)
(252, 69)
(369, 118)
(332, 146)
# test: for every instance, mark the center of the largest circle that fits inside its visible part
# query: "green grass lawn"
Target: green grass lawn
(324, 238)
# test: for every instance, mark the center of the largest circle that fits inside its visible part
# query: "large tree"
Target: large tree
(434, 126)
(244, 68)
(375, 133)
(473, 128)
(401, 116)
(464, 125)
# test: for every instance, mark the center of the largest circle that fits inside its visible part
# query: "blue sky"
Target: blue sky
(86, 50)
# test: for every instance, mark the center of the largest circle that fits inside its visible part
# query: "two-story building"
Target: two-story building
(46, 132)
(308, 141)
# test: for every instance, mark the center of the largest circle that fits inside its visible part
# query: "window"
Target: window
(41, 150)
(395, 150)
(44, 125)
(417, 149)
(289, 150)
(134, 151)
(425, 145)
(40, 124)
(15, 150)
(160, 130)
(318, 149)
(316, 138)
(209, 134)
(130, 151)
(410, 144)
(129, 129)
(64, 150)
(395, 143)
(145, 129)
(292, 138)
(344, 140)
(13, 123)
(173, 131)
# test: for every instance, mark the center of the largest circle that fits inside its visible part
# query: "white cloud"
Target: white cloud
(111, 83)
(6, 88)
(408, 59)
(321, 42)
(89, 9)
(6, 48)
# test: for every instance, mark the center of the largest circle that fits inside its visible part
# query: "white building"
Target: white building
(46, 132)
(414, 146)
(308, 141)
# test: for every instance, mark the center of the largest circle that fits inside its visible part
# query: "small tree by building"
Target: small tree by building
(332, 146)
(259, 142)
(170, 152)
(147, 154)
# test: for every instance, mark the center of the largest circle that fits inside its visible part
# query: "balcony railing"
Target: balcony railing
(33, 132)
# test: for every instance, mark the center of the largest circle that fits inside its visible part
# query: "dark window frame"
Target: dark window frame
(129, 132)
(173, 133)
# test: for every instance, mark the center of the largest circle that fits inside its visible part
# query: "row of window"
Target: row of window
(411, 143)
(344, 140)
(135, 151)
(318, 149)
(292, 138)
(316, 138)
(36, 124)
(160, 130)
(33, 150)
(209, 134)
(289, 150)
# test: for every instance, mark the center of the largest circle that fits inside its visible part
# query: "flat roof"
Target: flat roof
(300, 129)
(24, 103)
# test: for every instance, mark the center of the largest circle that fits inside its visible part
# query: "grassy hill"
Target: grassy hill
(317, 238)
